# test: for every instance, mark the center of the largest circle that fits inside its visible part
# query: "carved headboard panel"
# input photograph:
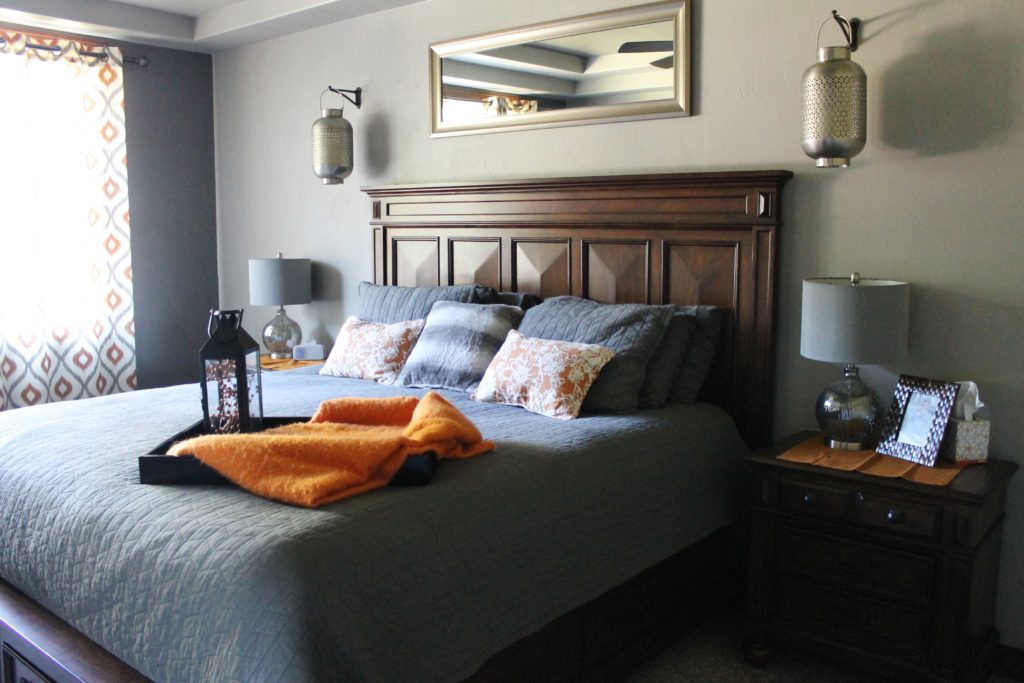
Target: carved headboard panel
(688, 238)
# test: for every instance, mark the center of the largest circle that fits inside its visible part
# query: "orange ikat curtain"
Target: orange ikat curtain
(67, 325)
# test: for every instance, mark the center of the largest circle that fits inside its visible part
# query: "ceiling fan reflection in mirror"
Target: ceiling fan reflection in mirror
(651, 46)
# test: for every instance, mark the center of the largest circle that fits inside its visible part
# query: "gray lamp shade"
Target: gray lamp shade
(863, 323)
(279, 281)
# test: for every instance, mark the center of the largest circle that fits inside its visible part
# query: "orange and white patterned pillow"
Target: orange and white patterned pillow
(542, 375)
(368, 350)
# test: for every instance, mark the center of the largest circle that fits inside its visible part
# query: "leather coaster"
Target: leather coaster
(268, 363)
(813, 451)
(884, 466)
(848, 461)
(940, 475)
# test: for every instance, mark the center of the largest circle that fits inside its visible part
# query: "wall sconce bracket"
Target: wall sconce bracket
(854, 34)
(849, 27)
(353, 96)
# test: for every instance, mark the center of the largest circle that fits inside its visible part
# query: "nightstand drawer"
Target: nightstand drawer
(904, 576)
(823, 608)
(897, 516)
(812, 501)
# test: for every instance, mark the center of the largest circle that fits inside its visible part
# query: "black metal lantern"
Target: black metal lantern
(232, 393)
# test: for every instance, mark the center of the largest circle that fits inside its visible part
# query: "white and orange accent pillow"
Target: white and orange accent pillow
(542, 375)
(368, 350)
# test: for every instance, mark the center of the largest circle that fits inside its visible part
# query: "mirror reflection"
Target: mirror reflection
(627, 64)
(619, 65)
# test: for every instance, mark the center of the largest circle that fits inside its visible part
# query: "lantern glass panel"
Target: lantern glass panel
(255, 388)
(222, 390)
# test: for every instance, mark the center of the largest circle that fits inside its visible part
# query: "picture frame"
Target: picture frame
(917, 419)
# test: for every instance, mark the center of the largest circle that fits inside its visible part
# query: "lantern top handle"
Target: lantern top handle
(224, 325)
(849, 27)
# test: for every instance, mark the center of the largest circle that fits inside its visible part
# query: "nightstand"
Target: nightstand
(888, 575)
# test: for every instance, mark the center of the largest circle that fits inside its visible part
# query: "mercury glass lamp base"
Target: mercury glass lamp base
(281, 335)
(848, 412)
(846, 445)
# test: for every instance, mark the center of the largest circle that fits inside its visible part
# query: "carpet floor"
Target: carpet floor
(711, 652)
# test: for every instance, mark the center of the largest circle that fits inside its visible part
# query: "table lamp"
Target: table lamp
(276, 282)
(849, 321)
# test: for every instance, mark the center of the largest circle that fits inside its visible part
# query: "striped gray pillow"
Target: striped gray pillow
(457, 344)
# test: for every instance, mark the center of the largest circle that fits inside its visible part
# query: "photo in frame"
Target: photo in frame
(917, 418)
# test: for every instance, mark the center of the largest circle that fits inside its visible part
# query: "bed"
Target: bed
(535, 555)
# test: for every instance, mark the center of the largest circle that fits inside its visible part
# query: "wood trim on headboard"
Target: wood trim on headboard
(683, 238)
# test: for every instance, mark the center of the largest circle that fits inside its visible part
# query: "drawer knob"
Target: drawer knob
(810, 499)
(895, 516)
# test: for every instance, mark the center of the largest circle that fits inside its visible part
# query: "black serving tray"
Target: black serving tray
(157, 467)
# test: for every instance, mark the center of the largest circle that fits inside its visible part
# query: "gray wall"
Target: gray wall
(935, 199)
(169, 112)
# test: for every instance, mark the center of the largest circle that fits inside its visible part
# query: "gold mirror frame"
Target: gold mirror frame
(679, 105)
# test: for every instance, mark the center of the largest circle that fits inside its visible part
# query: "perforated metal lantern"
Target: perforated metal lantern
(332, 147)
(230, 380)
(835, 103)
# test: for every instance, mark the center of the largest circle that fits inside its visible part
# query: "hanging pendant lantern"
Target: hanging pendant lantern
(835, 101)
(332, 140)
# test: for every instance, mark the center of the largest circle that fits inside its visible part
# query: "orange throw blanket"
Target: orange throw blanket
(351, 445)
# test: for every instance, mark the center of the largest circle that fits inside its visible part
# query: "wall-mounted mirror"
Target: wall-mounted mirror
(620, 65)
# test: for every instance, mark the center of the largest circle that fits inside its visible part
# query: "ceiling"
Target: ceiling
(190, 8)
(197, 25)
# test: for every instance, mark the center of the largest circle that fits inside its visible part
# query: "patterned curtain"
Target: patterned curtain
(67, 325)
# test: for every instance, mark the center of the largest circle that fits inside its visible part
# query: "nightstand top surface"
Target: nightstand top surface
(975, 483)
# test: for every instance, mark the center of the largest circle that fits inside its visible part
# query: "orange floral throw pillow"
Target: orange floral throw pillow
(367, 350)
(542, 375)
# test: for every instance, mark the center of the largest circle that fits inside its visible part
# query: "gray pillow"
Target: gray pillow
(632, 331)
(700, 353)
(667, 359)
(393, 304)
(457, 344)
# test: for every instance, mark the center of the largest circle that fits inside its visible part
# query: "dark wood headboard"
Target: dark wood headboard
(686, 238)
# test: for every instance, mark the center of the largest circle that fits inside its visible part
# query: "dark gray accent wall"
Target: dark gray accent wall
(169, 117)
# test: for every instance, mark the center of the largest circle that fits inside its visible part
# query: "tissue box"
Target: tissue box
(965, 441)
(308, 351)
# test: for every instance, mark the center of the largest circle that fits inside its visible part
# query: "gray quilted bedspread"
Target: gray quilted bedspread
(402, 584)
